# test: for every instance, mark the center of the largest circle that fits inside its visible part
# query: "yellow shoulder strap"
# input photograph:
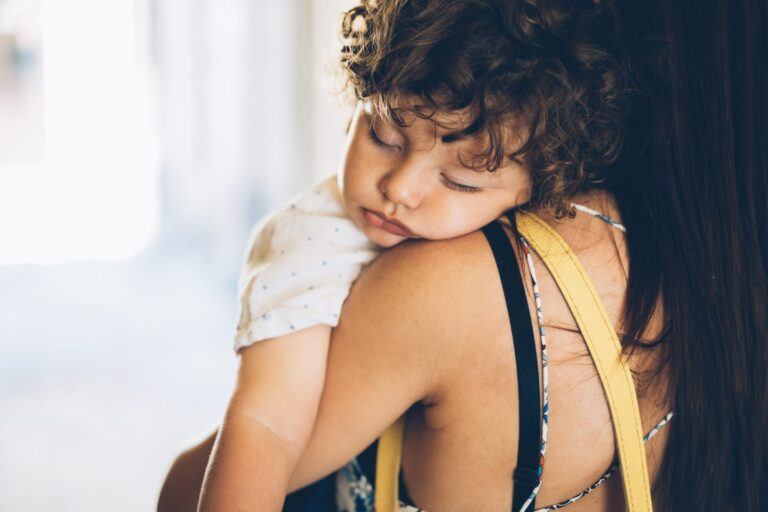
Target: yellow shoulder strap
(606, 351)
(388, 468)
(604, 346)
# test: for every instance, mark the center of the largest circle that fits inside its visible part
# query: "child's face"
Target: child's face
(410, 177)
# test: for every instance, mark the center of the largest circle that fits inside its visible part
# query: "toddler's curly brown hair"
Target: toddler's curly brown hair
(554, 69)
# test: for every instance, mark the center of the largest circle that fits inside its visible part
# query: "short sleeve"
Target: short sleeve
(301, 262)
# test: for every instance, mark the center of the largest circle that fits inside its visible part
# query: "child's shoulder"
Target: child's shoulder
(322, 198)
(315, 223)
(316, 206)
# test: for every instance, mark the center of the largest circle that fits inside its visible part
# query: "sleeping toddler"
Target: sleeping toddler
(396, 182)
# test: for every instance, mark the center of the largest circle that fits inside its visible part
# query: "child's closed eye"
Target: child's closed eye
(458, 186)
(374, 137)
(449, 183)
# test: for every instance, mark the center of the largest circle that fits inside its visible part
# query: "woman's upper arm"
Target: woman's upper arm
(401, 328)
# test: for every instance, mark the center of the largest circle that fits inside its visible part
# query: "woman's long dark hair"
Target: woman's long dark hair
(694, 198)
(665, 105)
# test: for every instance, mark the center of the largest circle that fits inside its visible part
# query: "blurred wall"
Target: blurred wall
(170, 127)
(248, 114)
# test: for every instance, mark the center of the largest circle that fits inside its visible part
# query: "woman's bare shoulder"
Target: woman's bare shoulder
(441, 271)
(467, 258)
(431, 292)
(408, 322)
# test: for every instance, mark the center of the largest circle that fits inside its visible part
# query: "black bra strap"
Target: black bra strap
(526, 475)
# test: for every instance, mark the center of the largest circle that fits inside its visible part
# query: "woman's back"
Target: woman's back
(460, 447)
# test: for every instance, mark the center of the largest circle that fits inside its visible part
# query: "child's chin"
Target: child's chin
(383, 239)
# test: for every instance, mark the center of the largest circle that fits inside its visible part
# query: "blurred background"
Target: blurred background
(140, 140)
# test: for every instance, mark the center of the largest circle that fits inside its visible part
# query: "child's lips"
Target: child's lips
(377, 219)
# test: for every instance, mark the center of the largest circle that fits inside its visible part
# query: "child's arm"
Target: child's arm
(267, 423)
(300, 265)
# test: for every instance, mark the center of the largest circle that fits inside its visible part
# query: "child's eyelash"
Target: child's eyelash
(457, 186)
(448, 183)
(376, 140)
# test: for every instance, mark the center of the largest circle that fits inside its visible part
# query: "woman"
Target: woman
(661, 127)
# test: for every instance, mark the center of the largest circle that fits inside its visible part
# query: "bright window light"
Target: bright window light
(94, 194)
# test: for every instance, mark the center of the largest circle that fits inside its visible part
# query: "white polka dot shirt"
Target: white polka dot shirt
(301, 262)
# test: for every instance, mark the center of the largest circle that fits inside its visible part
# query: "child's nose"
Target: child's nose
(406, 186)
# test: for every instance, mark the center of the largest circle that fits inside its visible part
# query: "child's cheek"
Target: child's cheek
(464, 217)
(450, 221)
